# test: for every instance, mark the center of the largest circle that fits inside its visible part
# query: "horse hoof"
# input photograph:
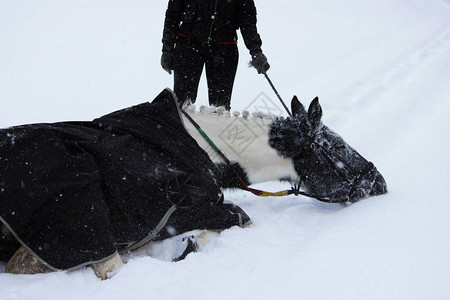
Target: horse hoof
(191, 246)
(109, 268)
(196, 243)
(23, 262)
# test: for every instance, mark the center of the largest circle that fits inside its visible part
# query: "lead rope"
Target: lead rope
(278, 94)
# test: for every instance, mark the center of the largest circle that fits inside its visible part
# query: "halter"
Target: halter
(358, 177)
(295, 190)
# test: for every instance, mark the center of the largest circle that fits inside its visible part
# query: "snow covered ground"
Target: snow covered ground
(382, 71)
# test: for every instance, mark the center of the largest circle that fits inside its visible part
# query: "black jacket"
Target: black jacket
(212, 21)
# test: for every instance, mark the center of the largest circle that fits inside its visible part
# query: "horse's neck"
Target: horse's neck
(244, 140)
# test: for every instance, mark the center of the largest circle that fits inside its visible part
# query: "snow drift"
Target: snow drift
(381, 71)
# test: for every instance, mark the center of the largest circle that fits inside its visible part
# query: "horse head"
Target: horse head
(329, 169)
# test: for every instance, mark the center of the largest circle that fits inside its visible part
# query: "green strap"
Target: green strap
(206, 137)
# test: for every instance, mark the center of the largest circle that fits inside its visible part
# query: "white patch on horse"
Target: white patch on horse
(243, 140)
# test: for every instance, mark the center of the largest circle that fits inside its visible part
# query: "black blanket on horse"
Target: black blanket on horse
(74, 193)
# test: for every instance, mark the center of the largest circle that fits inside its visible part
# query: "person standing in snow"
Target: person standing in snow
(201, 33)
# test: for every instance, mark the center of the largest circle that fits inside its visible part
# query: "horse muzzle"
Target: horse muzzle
(369, 183)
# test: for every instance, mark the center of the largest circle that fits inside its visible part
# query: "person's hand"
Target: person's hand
(259, 62)
(167, 61)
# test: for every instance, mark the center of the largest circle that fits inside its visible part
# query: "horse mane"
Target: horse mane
(220, 111)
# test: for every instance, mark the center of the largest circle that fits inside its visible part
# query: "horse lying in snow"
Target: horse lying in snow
(300, 149)
(74, 194)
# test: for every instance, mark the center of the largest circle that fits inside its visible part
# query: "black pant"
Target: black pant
(220, 62)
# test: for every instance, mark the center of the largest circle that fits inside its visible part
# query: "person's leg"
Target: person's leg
(188, 68)
(221, 66)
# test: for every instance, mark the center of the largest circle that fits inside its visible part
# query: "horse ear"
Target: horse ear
(297, 108)
(315, 113)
